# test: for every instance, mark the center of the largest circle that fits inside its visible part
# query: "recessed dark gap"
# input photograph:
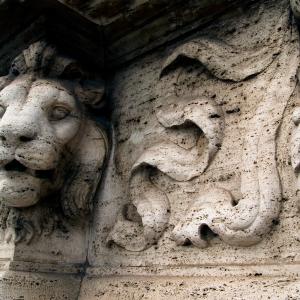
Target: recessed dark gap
(44, 174)
(188, 125)
(130, 213)
(15, 166)
(25, 139)
(187, 243)
(206, 233)
(181, 61)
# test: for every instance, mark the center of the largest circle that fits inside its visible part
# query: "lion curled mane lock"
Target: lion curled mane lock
(51, 151)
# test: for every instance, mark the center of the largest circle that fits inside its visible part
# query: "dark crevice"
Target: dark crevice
(15, 166)
(206, 233)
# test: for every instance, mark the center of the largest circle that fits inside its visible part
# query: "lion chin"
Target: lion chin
(21, 186)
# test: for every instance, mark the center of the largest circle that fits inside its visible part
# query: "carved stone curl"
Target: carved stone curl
(51, 151)
(243, 221)
(295, 5)
(295, 144)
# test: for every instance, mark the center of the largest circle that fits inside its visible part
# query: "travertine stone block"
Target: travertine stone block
(200, 176)
(200, 193)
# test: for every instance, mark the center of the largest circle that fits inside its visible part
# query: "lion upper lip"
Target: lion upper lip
(15, 165)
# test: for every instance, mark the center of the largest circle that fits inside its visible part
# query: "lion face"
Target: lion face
(39, 121)
(52, 150)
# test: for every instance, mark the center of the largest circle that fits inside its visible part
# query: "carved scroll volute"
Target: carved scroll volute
(295, 144)
(150, 206)
(243, 223)
(295, 5)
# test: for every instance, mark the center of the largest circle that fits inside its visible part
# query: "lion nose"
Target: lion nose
(27, 137)
(22, 134)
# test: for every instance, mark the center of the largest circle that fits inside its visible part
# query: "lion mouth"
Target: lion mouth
(18, 167)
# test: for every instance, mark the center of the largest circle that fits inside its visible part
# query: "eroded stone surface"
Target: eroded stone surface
(191, 288)
(36, 286)
(200, 196)
(244, 220)
(242, 203)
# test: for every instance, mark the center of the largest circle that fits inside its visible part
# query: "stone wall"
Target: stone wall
(181, 178)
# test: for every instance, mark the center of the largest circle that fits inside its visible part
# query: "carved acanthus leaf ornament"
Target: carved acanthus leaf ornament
(244, 221)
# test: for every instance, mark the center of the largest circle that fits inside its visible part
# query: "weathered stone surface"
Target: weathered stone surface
(236, 198)
(36, 286)
(246, 222)
(200, 194)
(191, 288)
(174, 95)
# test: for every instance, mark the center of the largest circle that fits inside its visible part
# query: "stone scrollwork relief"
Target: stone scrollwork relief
(51, 151)
(150, 205)
(295, 144)
(295, 139)
(295, 5)
(245, 222)
(241, 222)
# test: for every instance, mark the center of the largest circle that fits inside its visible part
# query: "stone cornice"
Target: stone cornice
(116, 31)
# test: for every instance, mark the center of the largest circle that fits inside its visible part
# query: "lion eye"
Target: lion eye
(59, 113)
(2, 111)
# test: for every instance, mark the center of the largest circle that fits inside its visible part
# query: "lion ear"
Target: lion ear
(88, 161)
(91, 92)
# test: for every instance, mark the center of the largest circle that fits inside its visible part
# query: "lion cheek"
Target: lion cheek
(38, 158)
(19, 190)
(6, 155)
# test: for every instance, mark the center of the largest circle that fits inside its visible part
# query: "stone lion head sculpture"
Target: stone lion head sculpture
(51, 150)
